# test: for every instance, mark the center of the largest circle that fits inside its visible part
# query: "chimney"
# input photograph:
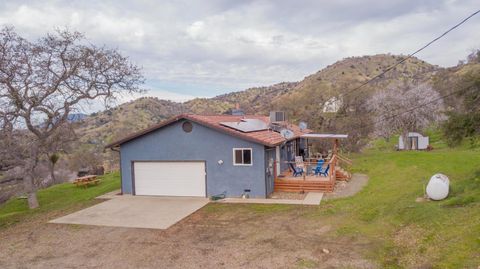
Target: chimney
(276, 116)
(237, 111)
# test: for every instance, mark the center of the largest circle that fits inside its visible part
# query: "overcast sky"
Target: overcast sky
(205, 48)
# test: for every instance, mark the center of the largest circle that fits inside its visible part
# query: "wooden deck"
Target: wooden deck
(300, 185)
(288, 183)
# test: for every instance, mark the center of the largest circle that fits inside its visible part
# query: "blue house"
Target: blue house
(198, 155)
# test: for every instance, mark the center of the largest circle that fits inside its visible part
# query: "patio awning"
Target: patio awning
(324, 136)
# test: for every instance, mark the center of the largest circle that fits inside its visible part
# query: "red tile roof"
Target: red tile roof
(265, 137)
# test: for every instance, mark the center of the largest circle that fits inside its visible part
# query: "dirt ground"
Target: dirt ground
(217, 236)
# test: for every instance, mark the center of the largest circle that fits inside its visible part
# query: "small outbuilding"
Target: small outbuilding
(414, 141)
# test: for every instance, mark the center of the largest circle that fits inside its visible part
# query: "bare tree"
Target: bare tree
(42, 82)
(404, 109)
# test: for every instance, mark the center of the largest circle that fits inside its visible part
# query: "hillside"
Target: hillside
(253, 100)
(111, 124)
(301, 100)
(341, 77)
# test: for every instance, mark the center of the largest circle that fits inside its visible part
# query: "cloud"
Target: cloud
(219, 46)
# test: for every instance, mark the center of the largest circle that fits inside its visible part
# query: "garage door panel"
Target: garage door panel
(170, 178)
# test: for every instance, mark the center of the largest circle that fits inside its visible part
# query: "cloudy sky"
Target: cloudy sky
(205, 48)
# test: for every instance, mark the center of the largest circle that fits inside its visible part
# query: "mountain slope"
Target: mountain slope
(302, 100)
(340, 78)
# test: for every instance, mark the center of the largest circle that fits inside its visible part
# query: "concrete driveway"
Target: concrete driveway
(154, 212)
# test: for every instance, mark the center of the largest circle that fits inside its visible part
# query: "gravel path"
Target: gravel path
(350, 188)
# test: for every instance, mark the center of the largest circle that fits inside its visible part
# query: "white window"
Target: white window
(242, 156)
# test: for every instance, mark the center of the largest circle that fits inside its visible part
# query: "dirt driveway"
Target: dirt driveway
(216, 236)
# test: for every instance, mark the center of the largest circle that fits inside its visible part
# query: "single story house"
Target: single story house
(198, 155)
(415, 141)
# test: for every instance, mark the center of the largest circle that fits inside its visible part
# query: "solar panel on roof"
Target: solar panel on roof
(247, 125)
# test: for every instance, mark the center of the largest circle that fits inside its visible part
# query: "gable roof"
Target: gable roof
(266, 137)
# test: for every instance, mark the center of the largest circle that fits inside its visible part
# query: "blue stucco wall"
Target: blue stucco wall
(205, 144)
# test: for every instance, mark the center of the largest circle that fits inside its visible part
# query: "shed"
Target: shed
(414, 141)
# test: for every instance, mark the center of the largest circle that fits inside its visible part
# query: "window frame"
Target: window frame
(242, 164)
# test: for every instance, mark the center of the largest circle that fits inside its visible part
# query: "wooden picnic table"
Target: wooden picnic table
(87, 180)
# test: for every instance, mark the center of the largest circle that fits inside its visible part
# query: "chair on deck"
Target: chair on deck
(299, 162)
(325, 172)
(297, 171)
(319, 169)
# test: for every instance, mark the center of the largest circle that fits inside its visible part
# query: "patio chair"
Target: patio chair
(318, 169)
(325, 172)
(297, 171)
(299, 162)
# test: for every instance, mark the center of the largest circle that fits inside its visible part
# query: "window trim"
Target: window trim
(242, 164)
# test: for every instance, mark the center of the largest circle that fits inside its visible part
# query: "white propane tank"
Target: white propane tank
(437, 187)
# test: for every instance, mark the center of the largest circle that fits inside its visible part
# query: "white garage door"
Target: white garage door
(170, 178)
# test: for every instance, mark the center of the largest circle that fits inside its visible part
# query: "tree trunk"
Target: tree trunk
(30, 189)
(52, 173)
(29, 176)
(406, 141)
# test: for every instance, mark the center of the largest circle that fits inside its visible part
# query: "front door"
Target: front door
(269, 170)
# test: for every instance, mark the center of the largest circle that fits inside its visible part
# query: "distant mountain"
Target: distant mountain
(76, 117)
(303, 100)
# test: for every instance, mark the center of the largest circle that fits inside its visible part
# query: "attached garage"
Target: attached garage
(169, 178)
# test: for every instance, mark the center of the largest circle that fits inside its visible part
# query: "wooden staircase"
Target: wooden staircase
(342, 174)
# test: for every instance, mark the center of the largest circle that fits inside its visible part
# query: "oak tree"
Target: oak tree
(43, 81)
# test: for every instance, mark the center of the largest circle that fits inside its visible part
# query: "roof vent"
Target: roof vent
(276, 116)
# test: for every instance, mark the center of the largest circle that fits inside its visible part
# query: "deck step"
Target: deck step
(297, 186)
(341, 174)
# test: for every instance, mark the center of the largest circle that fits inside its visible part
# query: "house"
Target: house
(198, 155)
(415, 141)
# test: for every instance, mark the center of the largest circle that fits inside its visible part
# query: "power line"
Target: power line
(412, 54)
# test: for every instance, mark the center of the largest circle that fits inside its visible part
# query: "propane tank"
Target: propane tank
(438, 187)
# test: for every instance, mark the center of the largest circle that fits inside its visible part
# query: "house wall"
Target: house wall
(203, 143)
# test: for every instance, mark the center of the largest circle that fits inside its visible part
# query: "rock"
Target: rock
(326, 251)
(421, 199)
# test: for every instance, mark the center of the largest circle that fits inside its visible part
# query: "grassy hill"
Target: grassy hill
(410, 234)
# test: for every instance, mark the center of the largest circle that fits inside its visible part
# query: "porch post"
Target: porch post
(335, 146)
